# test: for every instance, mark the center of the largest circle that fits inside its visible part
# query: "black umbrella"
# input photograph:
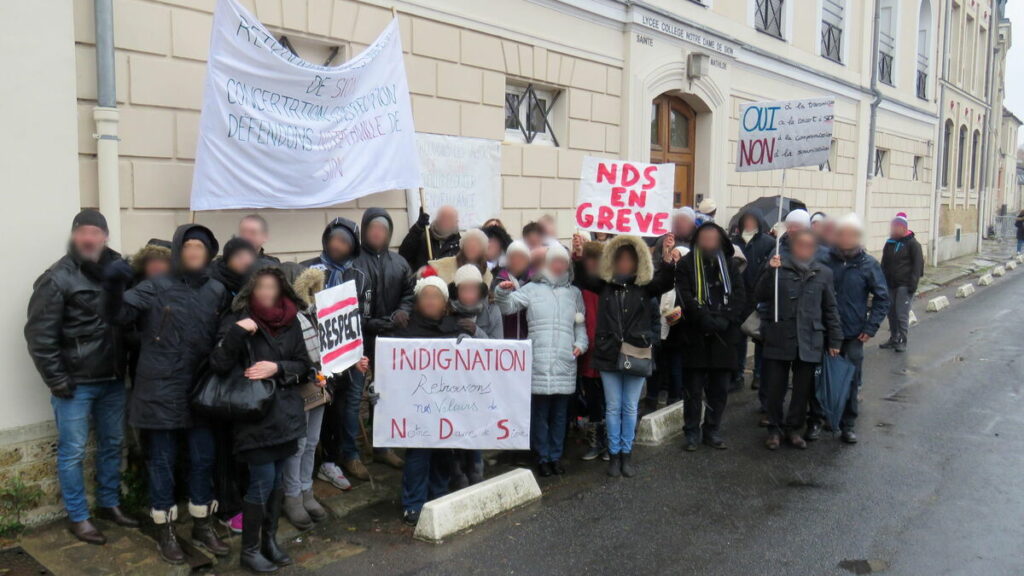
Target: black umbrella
(768, 208)
(833, 385)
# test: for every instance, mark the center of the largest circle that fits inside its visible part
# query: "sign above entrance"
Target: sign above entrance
(683, 32)
(785, 134)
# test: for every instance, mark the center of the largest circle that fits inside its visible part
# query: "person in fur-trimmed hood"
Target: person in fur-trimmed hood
(153, 259)
(628, 288)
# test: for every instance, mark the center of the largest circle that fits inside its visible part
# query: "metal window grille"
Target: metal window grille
(917, 168)
(880, 163)
(832, 18)
(534, 119)
(922, 84)
(885, 67)
(768, 17)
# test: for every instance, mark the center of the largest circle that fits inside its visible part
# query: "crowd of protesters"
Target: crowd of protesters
(614, 323)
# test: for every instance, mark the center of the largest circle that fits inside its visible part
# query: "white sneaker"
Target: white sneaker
(331, 473)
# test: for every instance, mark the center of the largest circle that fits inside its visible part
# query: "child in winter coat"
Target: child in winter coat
(554, 314)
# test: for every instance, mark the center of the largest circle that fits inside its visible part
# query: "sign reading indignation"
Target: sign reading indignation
(785, 134)
(279, 132)
(339, 327)
(620, 197)
(471, 394)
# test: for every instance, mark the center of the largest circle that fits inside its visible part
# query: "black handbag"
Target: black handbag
(232, 396)
(632, 360)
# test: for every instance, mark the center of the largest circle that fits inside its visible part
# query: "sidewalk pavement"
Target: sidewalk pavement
(993, 253)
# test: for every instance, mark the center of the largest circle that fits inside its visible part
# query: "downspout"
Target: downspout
(938, 174)
(106, 116)
(875, 102)
(984, 191)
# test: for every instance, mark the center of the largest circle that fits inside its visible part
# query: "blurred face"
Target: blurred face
(517, 263)
(338, 249)
(558, 267)
(431, 303)
(447, 221)
(156, 267)
(493, 249)
(267, 291)
(88, 242)
(469, 293)
(241, 261)
(818, 227)
(600, 236)
(474, 250)
(682, 226)
(533, 240)
(253, 231)
(847, 238)
(592, 265)
(547, 224)
(377, 235)
(537, 256)
(897, 230)
(750, 224)
(803, 247)
(193, 255)
(625, 263)
(709, 240)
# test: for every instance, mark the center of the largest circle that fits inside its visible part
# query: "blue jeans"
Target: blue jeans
(341, 419)
(163, 452)
(104, 403)
(298, 468)
(263, 479)
(1020, 245)
(621, 396)
(549, 416)
(425, 477)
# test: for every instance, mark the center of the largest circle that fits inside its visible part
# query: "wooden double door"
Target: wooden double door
(674, 140)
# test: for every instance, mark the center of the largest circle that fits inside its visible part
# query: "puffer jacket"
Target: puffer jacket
(177, 316)
(554, 314)
(68, 335)
(625, 307)
(808, 316)
(284, 420)
(514, 324)
(389, 283)
(858, 281)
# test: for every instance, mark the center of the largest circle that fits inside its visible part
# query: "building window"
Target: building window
(528, 114)
(918, 165)
(832, 12)
(975, 141)
(947, 143)
(960, 157)
(768, 17)
(830, 164)
(924, 43)
(887, 41)
(881, 162)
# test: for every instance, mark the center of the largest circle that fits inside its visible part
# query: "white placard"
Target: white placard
(460, 172)
(473, 394)
(785, 134)
(619, 197)
(279, 132)
(339, 327)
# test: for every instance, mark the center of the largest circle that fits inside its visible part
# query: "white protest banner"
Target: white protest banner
(473, 394)
(620, 197)
(340, 327)
(785, 134)
(279, 132)
(460, 172)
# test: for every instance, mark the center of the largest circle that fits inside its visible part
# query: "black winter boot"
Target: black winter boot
(251, 558)
(270, 549)
(628, 470)
(166, 539)
(614, 466)
(203, 534)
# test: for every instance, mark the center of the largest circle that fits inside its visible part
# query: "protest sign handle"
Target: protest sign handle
(778, 243)
(426, 230)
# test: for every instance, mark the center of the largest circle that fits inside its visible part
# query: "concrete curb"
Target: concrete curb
(1011, 265)
(913, 318)
(1019, 258)
(965, 290)
(999, 271)
(986, 280)
(938, 303)
(473, 505)
(660, 425)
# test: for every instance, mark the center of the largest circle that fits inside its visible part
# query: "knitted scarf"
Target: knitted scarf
(702, 279)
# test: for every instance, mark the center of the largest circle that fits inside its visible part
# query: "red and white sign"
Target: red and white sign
(625, 197)
(340, 327)
(473, 394)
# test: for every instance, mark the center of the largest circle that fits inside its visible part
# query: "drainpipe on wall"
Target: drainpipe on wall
(875, 102)
(106, 117)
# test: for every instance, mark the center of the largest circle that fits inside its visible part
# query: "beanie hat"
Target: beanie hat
(798, 216)
(236, 245)
(381, 220)
(688, 212)
(518, 247)
(89, 217)
(203, 235)
(851, 221)
(431, 281)
(468, 273)
(707, 206)
(344, 233)
(476, 234)
(556, 251)
(901, 219)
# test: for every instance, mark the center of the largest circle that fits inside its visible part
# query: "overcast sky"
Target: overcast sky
(1015, 61)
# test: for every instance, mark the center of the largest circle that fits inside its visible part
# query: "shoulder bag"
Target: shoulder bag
(232, 396)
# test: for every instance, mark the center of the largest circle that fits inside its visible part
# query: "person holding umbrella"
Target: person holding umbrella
(797, 336)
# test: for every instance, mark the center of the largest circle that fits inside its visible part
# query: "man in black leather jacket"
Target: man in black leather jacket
(78, 355)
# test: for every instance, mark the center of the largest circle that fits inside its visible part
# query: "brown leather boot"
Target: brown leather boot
(355, 469)
(166, 539)
(87, 532)
(117, 516)
(203, 533)
(389, 457)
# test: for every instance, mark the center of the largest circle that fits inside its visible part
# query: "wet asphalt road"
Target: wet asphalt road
(936, 485)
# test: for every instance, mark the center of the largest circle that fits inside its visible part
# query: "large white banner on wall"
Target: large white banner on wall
(279, 132)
